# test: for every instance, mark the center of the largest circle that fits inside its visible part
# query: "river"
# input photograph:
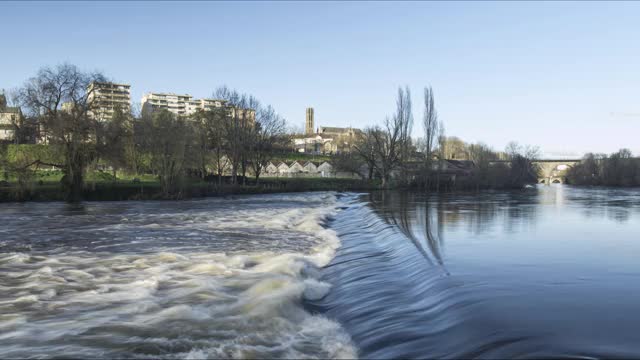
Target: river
(546, 272)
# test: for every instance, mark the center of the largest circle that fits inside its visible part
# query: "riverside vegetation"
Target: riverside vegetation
(618, 169)
(138, 155)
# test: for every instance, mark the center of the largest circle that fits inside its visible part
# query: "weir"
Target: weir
(490, 275)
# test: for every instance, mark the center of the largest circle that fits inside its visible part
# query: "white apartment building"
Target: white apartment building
(104, 97)
(210, 104)
(183, 105)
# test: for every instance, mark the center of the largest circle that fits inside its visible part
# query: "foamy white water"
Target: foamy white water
(199, 279)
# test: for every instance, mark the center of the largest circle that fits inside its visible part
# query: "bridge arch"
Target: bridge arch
(550, 171)
(553, 171)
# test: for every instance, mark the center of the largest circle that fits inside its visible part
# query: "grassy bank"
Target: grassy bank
(108, 190)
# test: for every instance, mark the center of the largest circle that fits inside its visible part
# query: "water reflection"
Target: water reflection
(619, 214)
(418, 220)
(615, 204)
(545, 272)
(424, 217)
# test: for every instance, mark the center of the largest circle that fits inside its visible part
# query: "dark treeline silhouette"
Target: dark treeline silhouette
(516, 172)
(617, 169)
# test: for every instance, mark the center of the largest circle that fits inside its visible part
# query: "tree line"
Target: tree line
(242, 135)
(389, 153)
(617, 169)
(239, 139)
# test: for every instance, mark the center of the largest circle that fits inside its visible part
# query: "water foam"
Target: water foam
(177, 300)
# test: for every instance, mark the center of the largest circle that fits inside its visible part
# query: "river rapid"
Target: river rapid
(195, 279)
(547, 272)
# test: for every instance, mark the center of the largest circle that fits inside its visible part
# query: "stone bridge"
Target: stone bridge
(552, 171)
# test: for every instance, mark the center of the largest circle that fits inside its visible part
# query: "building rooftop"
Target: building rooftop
(333, 129)
(109, 83)
(168, 94)
(12, 110)
(207, 99)
(336, 129)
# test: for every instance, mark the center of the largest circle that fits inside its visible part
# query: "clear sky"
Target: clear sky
(563, 76)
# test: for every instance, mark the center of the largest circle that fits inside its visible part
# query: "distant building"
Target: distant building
(313, 144)
(67, 107)
(283, 168)
(302, 169)
(10, 117)
(310, 167)
(271, 169)
(325, 169)
(183, 105)
(243, 114)
(327, 140)
(105, 97)
(186, 105)
(209, 104)
(309, 128)
(338, 131)
(295, 167)
(459, 167)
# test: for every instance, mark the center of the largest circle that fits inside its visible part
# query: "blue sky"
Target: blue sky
(563, 76)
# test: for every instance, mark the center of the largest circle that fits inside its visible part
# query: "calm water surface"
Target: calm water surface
(547, 272)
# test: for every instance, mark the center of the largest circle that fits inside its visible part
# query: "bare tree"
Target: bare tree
(246, 118)
(365, 147)
(217, 141)
(387, 143)
(430, 125)
(295, 129)
(70, 126)
(202, 150)
(454, 148)
(165, 137)
(348, 163)
(213, 125)
(114, 140)
(232, 130)
(618, 169)
(513, 149)
(522, 169)
(442, 142)
(267, 133)
(237, 125)
(404, 120)
(390, 145)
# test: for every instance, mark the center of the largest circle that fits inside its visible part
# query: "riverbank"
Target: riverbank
(151, 190)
